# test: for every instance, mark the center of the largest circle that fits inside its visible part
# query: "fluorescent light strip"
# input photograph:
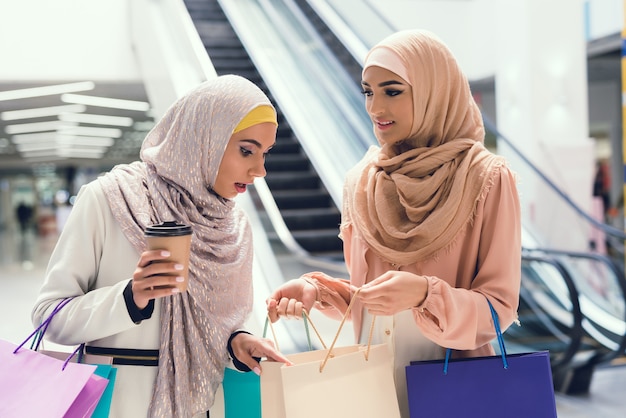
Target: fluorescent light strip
(96, 119)
(89, 141)
(90, 131)
(37, 127)
(41, 112)
(82, 151)
(105, 102)
(46, 90)
(47, 137)
(36, 137)
(43, 156)
(60, 151)
(40, 146)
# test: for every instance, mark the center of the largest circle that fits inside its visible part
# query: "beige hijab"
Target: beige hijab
(180, 159)
(410, 200)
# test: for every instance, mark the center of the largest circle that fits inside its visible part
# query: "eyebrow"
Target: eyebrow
(255, 143)
(384, 83)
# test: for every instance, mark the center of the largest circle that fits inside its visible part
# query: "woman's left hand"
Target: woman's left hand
(246, 346)
(393, 292)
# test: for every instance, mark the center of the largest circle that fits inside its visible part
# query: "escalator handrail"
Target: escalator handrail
(576, 333)
(285, 235)
(619, 273)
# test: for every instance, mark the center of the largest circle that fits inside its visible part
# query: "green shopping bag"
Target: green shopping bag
(242, 394)
(242, 390)
(104, 405)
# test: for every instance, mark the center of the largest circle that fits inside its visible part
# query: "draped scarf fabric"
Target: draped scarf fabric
(411, 199)
(180, 160)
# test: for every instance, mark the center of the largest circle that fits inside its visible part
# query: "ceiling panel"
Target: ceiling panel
(20, 151)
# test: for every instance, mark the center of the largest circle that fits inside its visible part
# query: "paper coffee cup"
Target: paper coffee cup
(175, 238)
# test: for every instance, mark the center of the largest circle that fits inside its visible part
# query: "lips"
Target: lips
(240, 187)
(384, 124)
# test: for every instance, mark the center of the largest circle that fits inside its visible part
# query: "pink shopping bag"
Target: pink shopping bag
(33, 384)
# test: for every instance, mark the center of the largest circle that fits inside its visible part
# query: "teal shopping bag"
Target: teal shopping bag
(242, 394)
(104, 405)
(242, 390)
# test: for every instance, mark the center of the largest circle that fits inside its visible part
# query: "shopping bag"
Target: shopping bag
(242, 390)
(104, 368)
(104, 404)
(35, 384)
(351, 381)
(511, 385)
(242, 394)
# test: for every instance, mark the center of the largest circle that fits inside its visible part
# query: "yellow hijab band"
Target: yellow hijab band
(259, 114)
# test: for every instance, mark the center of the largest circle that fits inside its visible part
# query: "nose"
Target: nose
(258, 169)
(375, 106)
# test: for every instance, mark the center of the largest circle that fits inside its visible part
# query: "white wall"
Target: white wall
(74, 39)
(468, 26)
(66, 40)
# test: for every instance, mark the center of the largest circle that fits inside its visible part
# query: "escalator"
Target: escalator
(306, 207)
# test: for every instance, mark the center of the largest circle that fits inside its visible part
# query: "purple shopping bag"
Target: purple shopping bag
(33, 384)
(508, 385)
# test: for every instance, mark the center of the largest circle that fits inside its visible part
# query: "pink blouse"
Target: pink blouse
(484, 261)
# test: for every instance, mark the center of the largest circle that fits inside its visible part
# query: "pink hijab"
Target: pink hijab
(410, 201)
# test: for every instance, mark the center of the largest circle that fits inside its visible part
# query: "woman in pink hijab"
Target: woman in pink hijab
(431, 218)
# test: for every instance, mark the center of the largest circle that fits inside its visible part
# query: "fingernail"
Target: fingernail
(257, 371)
(179, 266)
(175, 290)
(180, 279)
(165, 253)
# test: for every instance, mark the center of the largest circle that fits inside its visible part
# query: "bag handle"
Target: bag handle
(496, 324)
(307, 321)
(343, 320)
(39, 332)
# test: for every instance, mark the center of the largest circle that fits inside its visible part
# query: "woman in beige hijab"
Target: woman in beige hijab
(431, 219)
(170, 347)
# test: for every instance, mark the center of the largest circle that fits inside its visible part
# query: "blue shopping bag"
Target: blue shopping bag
(508, 385)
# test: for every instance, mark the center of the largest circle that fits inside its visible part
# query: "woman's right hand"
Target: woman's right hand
(155, 278)
(290, 299)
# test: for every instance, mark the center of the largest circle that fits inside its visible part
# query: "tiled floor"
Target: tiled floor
(23, 261)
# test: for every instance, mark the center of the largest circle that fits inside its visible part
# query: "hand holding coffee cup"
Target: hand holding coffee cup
(176, 239)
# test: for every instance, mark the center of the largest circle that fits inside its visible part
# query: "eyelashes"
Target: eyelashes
(387, 92)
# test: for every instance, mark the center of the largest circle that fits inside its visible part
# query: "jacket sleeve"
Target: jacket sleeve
(76, 270)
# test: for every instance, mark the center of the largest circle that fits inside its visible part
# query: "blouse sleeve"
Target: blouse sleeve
(98, 309)
(459, 317)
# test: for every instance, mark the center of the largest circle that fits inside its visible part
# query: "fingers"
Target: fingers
(246, 347)
(289, 308)
(155, 277)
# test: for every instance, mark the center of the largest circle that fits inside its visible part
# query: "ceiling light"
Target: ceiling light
(36, 127)
(36, 137)
(105, 102)
(46, 90)
(41, 112)
(36, 147)
(43, 156)
(96, 119)
(90, 141)
(80, 153)
(90, 131)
